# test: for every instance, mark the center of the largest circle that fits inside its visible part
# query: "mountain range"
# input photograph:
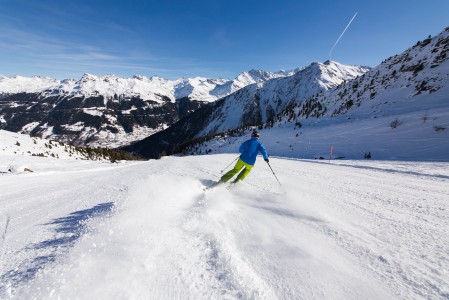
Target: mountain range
(109, 111)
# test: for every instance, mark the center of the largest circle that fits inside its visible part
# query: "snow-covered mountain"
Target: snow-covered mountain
(398, 110)
(252, 105)
(415, 80)
(260, 103)
(108, 111)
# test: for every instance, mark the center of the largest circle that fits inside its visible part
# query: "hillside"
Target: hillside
(20, 146)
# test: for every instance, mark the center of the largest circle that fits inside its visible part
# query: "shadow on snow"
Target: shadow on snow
(288, 213)
(67, 231)
(373, 168)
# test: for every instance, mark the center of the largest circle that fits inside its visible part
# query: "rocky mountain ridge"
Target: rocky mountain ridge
(415, 80)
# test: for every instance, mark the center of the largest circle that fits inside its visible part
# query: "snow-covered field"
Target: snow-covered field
(146, 230)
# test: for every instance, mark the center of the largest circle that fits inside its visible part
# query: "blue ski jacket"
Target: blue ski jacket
(249, 150)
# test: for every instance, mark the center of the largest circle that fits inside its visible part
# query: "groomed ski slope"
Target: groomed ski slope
(147, 230)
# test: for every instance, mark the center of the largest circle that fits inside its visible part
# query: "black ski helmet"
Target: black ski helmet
(255, 134)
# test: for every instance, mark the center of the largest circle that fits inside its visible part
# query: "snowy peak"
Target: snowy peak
(331, 74)
(88, 77)
(255, 76)
(198, 88)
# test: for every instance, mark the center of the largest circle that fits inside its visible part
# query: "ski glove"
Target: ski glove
(266, 159)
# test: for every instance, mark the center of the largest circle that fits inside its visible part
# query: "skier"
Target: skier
(247, 159)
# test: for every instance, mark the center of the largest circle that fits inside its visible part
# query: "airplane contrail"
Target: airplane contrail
(347, 26)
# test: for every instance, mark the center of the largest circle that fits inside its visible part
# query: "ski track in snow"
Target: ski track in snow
(3, 241)
(346, 229)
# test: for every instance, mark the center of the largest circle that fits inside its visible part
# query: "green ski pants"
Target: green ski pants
(238, 166)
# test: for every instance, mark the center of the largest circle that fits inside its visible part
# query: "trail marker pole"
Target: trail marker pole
(330, 153)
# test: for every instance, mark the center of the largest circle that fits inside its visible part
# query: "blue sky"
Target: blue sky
(209, 38)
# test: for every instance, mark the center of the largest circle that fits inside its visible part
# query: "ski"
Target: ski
(215, 184)
(231, 186)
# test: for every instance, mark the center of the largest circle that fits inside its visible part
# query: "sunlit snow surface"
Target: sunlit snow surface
(147, 230)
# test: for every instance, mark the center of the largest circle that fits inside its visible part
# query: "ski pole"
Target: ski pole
(230, 164)
(275, 175)
(9, 166)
